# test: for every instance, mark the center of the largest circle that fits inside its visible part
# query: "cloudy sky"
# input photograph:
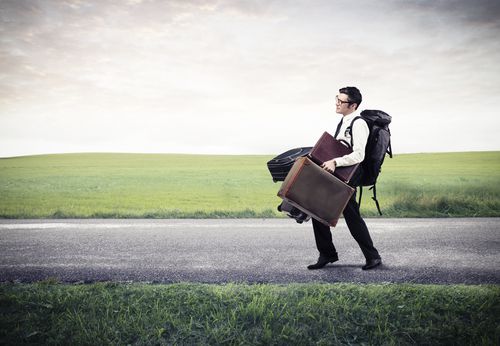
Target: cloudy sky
(243, 77)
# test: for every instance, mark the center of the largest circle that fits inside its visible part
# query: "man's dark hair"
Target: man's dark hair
(353, 94)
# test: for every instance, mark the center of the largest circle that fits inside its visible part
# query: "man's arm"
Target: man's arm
(360, 133)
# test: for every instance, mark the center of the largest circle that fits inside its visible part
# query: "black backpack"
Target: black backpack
(377, 146)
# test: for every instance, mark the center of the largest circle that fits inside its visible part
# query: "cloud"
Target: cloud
(473, 13)
(99, 70)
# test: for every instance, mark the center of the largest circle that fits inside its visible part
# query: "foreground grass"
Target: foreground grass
(296, 314)
(204, 186)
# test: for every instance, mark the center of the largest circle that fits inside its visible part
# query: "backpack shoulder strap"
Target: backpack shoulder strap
(352, 135)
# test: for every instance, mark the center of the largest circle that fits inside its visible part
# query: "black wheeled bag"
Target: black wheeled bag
(281, 164)
(293, 212)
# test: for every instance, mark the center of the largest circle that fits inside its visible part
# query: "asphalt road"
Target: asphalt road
(248, 250)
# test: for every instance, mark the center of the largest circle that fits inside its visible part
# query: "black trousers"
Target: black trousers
(356, 226)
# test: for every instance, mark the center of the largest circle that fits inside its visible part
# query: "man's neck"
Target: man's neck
(347, 114)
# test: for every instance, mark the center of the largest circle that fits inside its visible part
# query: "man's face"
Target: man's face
(343, 106)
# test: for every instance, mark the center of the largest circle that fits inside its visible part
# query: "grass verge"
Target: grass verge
(240, 314)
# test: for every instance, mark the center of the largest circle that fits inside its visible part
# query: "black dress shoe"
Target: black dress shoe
(372, 263)
(323, 261)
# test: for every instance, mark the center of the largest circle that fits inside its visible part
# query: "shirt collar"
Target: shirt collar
(348, 118)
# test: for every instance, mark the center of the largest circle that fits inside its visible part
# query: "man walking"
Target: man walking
(347, 103)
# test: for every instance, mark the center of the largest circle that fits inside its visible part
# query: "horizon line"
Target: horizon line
(213, 154)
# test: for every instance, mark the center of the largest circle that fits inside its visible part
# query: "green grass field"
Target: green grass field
(171, 186)
(239, 314)
(199, 186)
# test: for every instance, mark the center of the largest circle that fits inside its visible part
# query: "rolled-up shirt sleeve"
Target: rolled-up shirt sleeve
(360, 133)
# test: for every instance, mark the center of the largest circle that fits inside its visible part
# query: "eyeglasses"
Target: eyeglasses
(338, 101)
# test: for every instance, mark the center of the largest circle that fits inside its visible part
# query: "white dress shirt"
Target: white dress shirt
(360, 132)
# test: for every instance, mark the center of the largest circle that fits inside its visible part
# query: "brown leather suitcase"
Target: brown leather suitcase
(316, 192)
(328, 148)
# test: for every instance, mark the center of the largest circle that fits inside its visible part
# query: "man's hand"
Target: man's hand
(329, 166)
